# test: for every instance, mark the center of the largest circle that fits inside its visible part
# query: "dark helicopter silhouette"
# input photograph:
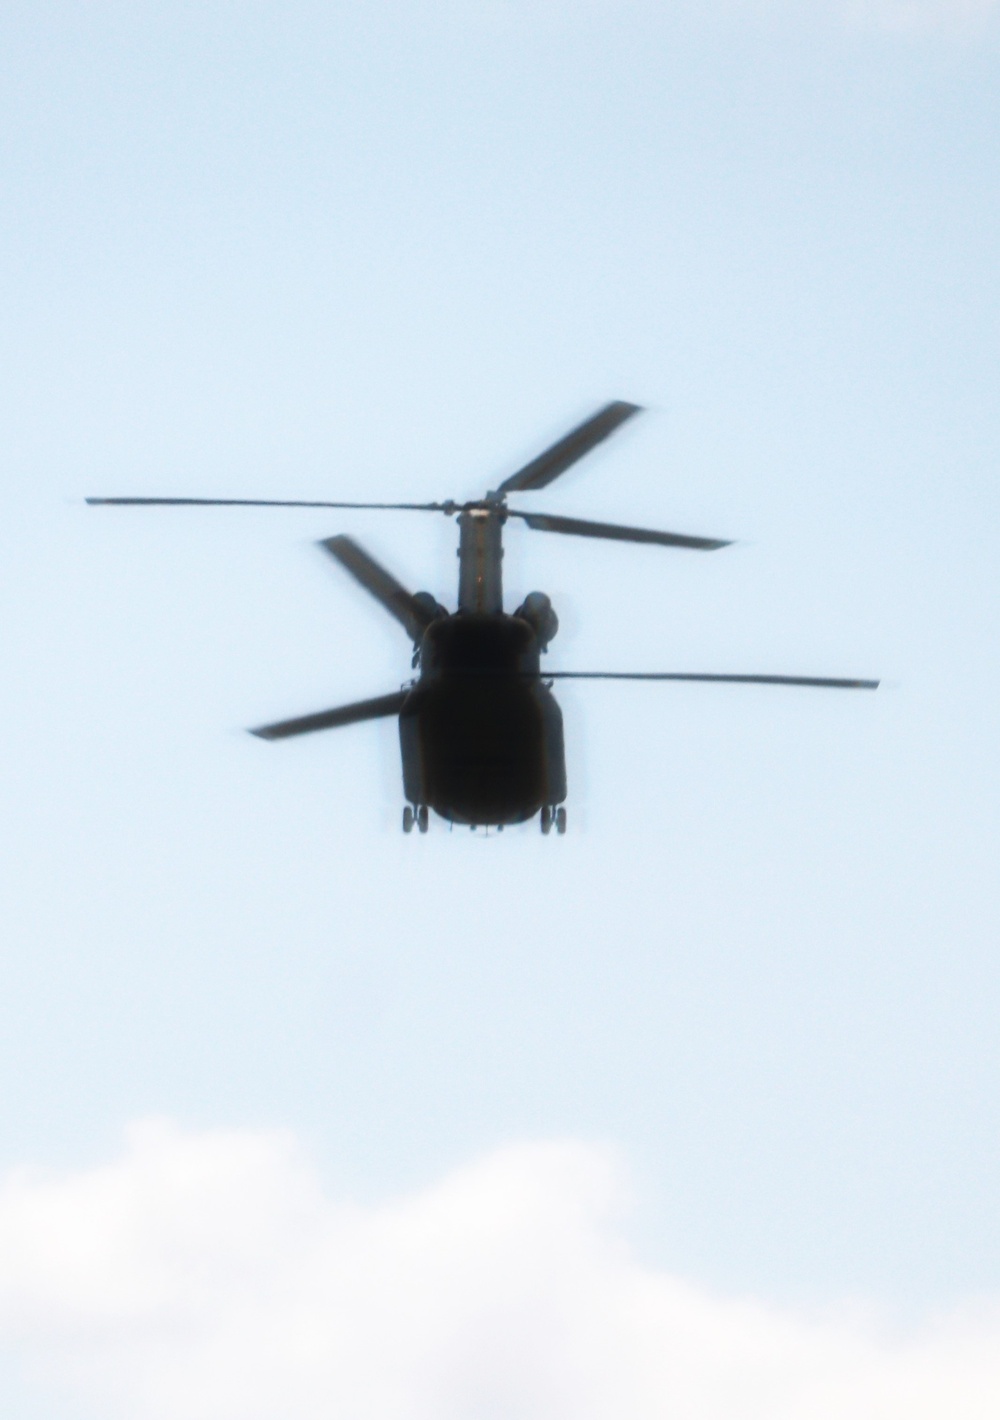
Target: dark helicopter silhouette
(480, 730)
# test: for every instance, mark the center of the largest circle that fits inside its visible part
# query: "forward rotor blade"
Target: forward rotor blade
(408, 611)
(823, 682)
(257, 503)
(572, 446)
(581, 527)
(330, 719)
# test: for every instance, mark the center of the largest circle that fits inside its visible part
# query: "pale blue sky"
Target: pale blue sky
(339, 251)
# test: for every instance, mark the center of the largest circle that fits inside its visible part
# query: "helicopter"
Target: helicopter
(480, 730)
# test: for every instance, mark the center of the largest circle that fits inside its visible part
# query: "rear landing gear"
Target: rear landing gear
(560, 819)
(551, 815)
(408, 819)
(422, 818)
(416, 816)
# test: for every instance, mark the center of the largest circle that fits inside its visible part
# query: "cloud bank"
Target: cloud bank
(914, 18)
(208, 1277)
(965, 18)
(919, 16)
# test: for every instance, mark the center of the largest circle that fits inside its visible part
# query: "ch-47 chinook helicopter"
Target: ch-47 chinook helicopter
(480, 730)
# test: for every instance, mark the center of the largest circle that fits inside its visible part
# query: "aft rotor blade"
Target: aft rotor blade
(258, 503)
(400, 603)
(582, 527)
(823, 682)
(330, 719)
(572, 446)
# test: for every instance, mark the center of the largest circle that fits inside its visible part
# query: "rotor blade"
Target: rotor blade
(821, 681)
(258, 503)
(572, 446)
(400, 603)
(550, 522)
(331, 719)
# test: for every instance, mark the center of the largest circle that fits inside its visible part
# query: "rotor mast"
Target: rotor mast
(480, 557)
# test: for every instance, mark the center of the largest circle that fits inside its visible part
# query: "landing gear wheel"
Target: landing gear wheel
(408, 819)
(546, 819)
(422, 818)
(560, 820)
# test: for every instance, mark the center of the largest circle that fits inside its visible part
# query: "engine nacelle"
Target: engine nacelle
(539, 613)
(431, 605)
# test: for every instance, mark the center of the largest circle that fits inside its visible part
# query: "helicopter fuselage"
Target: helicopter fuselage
(480, 732)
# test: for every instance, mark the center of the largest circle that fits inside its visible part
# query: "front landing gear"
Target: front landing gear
(552, 815)
(418, 816)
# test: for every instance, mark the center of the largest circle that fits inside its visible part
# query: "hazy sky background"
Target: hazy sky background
(390, 251)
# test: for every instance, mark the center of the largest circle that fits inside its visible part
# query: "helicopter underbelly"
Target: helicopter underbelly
(483, 750)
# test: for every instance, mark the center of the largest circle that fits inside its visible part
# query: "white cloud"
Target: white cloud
(910, 16)
(207, 1277)
(920, 16)
(914, 18)
(964, 19)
